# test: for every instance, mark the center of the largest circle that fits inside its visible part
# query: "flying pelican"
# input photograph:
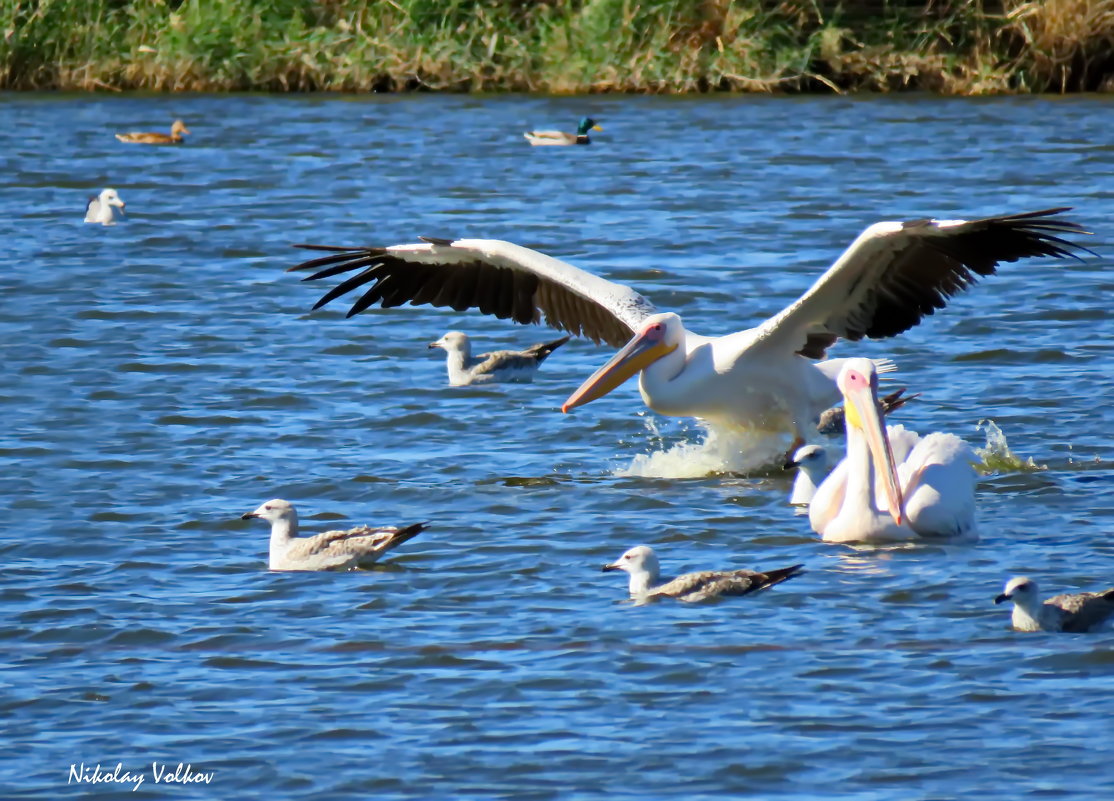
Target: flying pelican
(494, 367)
(99, 208)
(1082, 611)
(330, 550)
(641, 564)
(893, 485)
(537, 138)
(152, 138)
(890, 277)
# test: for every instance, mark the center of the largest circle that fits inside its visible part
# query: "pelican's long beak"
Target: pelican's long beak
(636, 355)
(864, 412)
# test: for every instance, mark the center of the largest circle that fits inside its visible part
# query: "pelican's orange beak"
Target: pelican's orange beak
(864, 412)
(642, 351)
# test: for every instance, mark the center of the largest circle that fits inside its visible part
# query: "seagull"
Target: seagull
(151, 138)
(331, 550)
(561, 138)
(831, 420)
(762, 378)
(1084, 611)
(99, 207)
(641, 563)
(893, 485)
(494, 367)
(812, 465)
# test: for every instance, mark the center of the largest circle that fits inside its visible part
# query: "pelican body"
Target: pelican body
(99, 208)
(153, 138)
(353, 548)
(893, 485)
(515, 366)
(543, 138)
(767, 377)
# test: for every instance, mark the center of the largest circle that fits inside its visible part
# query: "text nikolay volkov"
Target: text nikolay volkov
(95, 774)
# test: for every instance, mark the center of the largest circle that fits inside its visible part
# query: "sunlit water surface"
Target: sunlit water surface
(163, 376)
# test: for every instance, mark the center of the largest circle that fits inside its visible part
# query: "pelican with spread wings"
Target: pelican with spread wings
(765, 378)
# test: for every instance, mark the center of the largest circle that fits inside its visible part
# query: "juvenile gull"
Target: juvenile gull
(99, 208)
(152, 138)
(641, 564)
(490, 368)
(331, 550)
(1082, 611)
(832, 420)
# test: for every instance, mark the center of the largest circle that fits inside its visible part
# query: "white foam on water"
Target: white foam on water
(715, 450)
(997, 457)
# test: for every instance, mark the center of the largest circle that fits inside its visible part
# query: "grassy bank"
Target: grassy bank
(558, 46)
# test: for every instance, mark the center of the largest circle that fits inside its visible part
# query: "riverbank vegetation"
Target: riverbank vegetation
(558, 46)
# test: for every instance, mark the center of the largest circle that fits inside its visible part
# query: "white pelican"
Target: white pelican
(99, 207)
(893, 485)
(561, 138)
(330, 550)
(890, 277)
(1082, 611)
(494, 367)
(641, 563)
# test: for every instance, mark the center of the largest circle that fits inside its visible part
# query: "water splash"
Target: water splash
(997, 457)
(717, 450)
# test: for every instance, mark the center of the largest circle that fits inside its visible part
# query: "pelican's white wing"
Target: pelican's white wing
(498, 278)
(896, 273)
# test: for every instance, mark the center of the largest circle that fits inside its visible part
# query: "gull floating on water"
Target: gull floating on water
(893, 485)
(561, 138)
(99, 207)
(494, 367)
(152, 138)
(331, 550)
(1082, 611)
(765, 378)
(646, 584)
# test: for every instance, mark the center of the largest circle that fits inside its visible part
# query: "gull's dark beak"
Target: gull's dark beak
(1002, 598)
(248, 515)
(607, 568)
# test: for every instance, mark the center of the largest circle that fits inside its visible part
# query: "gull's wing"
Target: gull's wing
(708, 584)
(1082, 611)
(498, 278)
(361, 545)
(897, 273)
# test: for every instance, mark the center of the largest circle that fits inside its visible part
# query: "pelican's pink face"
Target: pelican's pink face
(858, 381)
(649, 345)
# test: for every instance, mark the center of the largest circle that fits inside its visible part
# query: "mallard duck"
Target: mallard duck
(99, 207)
(150, 138)
(562, 138)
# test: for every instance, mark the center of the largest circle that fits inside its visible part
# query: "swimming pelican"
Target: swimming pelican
(490, 368)
(330, 550)
(99, 208)
(561, 138)
(890, 277)
(152, 138)
(641, 564)
(1083, 611)
(893, 485)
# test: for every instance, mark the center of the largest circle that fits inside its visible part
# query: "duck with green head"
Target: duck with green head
(562, 138)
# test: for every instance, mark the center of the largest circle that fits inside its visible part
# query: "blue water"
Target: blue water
(163, 376)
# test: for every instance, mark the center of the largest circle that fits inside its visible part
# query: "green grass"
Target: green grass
(554, 46)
